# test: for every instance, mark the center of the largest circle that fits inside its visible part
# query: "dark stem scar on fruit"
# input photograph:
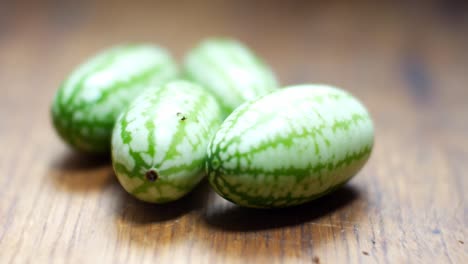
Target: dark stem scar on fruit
(151, 175)
(181, 116)
(215, 163)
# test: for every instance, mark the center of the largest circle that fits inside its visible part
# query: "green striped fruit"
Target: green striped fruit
(159, 144)
(289, 147)
(230, 71)
(90, 99)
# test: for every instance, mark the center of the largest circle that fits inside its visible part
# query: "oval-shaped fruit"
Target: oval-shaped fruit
(88, 102)
(230, 71)
(290, 146)
(159, 144)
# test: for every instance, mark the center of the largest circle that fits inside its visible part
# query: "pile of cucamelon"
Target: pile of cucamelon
(222, 116)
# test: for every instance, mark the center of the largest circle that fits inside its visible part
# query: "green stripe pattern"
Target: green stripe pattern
(88, 102)
(290, 146)
(159, 144)
(230, 71)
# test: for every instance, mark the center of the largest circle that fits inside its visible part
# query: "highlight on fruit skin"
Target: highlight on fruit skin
(289, 147)
(230, 71)
(88, 102)
(159, 143)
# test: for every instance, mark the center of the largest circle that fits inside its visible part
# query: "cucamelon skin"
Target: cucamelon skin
(88, 102)
(230, 71)
(290, 147)
(159, 144)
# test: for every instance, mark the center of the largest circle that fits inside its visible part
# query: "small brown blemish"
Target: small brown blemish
(365, 253)
(151, 175)
(461, 242)
(316, 260)
(181, 116)
(373, 241)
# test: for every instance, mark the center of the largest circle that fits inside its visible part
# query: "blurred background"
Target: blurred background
(406, 60)
(342, 42)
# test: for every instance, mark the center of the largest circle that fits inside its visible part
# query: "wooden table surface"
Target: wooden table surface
(407, 62)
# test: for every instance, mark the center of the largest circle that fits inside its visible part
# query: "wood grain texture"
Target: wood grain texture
(407, 62)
